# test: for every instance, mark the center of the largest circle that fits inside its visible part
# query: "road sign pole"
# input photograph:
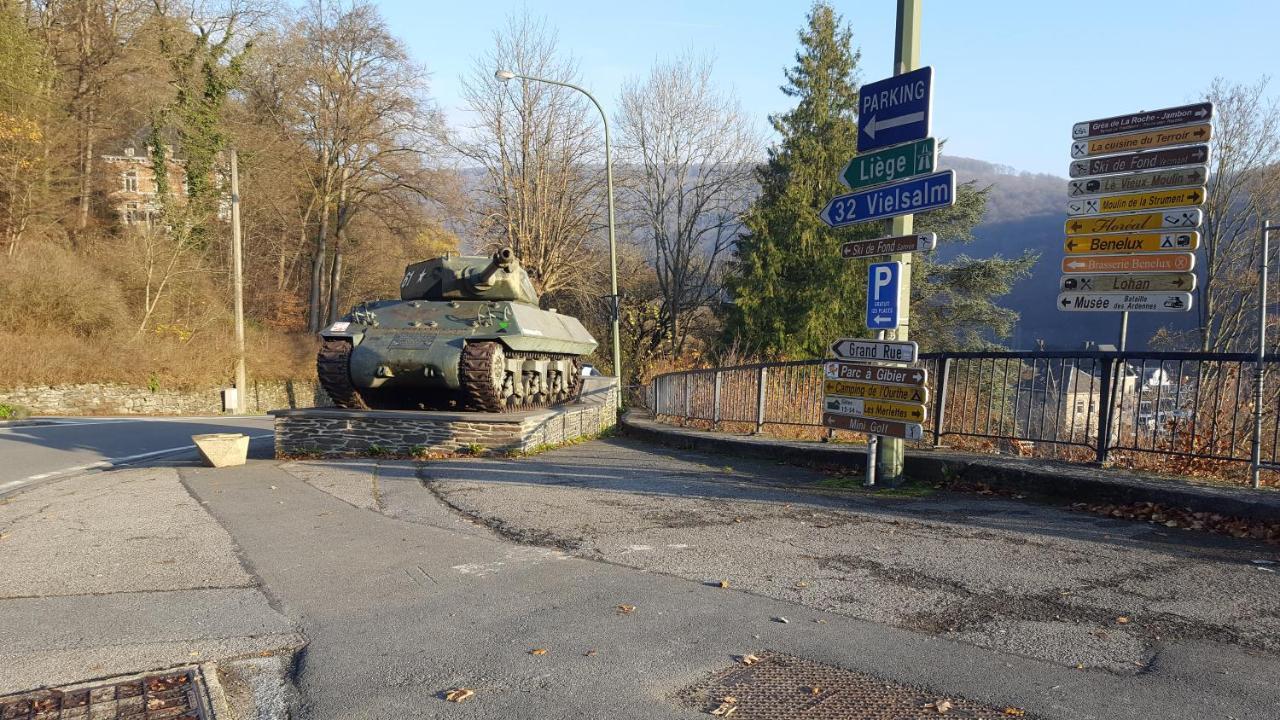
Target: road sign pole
(1124, 330)
(906, 57)
(1260, 365)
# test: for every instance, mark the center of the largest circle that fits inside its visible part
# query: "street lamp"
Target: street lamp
(504, 76)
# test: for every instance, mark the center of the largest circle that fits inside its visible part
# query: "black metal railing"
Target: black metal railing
(1158, 409)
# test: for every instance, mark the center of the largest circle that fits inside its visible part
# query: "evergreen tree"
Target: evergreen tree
(793, 293)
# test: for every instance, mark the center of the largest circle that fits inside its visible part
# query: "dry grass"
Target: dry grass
(157, 361)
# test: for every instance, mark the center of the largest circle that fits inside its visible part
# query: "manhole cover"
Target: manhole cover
(781, 687)
(171, 695)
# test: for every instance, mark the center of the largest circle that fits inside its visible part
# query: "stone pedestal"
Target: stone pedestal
(333, 432)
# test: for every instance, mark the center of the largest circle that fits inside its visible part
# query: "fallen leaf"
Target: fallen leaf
(780, 619)
(459, 694)
(589, 653)
(538, 651)
(626, 609)
(1079, 666)
(942, 707)
(729, 699)
(749, 659)
(725, 710)
(1122, 620)
(802, 584)
(724, 583)
(815, 690)
(1015, 712)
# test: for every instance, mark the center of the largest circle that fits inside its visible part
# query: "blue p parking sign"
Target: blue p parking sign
(882, 295)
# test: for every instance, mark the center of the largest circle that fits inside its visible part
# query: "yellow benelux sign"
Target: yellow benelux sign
(1132, 242)
(877, 392)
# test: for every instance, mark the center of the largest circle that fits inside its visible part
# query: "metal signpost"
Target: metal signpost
(902, 161)
(1259, 367)
(894, 110)
(1176, 157)
(1149, 179)
(893, 176)
(884, 374)
(1132, 242)
(1132, 142)
(888, 246)
(1153, 263)
(894, 351)
(873, 427)
(875, 409)
(877, 391)
(1134, 202)
(928, 192)
(882, 295)
(1183, 115)
(1135, 222)
(1125, 302)
(1141, 282)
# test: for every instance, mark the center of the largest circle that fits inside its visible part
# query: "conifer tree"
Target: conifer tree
(792, 292)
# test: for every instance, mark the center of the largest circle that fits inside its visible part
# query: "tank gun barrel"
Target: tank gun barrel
(504, 259)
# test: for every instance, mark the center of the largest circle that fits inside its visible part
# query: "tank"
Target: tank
(466, 334)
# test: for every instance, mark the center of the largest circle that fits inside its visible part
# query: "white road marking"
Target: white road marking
(110, 462)
(51, 423)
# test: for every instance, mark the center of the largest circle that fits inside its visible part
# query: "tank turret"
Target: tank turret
(466, 334)
(454, 277)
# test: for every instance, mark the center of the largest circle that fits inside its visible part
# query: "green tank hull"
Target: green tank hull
(465, 335)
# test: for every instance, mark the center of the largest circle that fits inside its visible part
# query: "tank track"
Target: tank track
(473, 375)
(333, 367)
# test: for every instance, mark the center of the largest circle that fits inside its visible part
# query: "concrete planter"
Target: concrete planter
(222, 449)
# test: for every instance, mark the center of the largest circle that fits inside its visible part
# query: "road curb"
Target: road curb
(1056, 482)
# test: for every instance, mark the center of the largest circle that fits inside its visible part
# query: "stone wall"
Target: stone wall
(110, 399)
(332, 432)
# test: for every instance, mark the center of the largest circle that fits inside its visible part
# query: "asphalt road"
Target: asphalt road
(408, 580)
(48, 448)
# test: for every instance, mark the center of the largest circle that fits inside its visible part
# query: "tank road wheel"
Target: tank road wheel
(482, 372)
(333, 368)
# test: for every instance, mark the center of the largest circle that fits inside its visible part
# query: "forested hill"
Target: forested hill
(1027, 210)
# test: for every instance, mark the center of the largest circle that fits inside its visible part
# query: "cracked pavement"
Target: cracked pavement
(1037, 581)
(396, 581)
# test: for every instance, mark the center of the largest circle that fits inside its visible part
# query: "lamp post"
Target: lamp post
(615, 303)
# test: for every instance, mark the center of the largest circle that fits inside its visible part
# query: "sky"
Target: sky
(1010, 76)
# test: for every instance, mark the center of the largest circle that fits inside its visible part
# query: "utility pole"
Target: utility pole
(906, 57)
(237, 270)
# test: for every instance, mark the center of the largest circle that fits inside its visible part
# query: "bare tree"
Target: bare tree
(352, 94)
(539, 147)
(689, 150)
(1244, 188)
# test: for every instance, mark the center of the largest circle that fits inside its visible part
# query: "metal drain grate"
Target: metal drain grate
(785, 687)
(171, 695)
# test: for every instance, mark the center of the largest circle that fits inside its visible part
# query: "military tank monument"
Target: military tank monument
(465, 362)
(466, 334)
